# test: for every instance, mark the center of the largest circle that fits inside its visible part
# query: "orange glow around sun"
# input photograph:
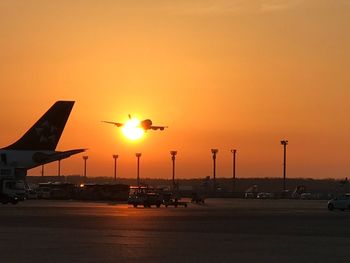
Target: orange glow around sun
(132, 129)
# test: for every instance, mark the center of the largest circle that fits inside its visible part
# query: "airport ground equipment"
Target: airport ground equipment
(170, 200)
(196, 198)
(11, 189)
(89, 191)
(175, 203)
(111, 192)
(265, 195)
(56, 190)
(251, 192)
(144, 196)
(341, 202)
(298, 191)
(146, 200)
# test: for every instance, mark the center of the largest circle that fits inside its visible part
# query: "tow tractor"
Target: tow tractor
(170, 200)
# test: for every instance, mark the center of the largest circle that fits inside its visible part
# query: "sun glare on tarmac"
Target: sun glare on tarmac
(132, 129)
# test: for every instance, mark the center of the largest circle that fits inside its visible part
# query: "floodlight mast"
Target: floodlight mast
(233, 151)
(138, 155)
(85, 157)
(214, 152)
(284, 143)
(59, 167)
(115, 157)
(173, 154)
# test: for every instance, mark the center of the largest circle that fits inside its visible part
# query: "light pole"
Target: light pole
(173, 154)
(234, 151)
(85, 157)
(284, 143)
(59, 167)
(138, 155)
(214, 152)
(115, 157)
(42, 170)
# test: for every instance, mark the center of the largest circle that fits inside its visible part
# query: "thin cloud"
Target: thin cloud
(277, 5)
(229, 7)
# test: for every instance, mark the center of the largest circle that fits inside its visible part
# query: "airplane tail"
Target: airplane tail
(46, 132)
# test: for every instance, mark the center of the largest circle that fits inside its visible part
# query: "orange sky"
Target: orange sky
(221, 74)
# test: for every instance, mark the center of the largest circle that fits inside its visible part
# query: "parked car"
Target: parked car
(341, 202)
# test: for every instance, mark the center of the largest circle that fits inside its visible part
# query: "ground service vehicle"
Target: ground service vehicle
(175, 203)
(145, 199)
(11, 191)
(142, 195)
(170, 200)
(341, 202)
(196, 198)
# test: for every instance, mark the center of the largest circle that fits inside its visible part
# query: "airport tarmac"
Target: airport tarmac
(222, 230)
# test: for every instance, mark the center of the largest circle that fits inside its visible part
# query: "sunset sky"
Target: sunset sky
(220, 73)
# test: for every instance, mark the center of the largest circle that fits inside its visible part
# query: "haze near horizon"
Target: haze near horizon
(227, 74)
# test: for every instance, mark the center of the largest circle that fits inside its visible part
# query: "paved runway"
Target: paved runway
(222, 230)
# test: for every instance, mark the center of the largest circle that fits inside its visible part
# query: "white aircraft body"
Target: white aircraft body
(38, 145)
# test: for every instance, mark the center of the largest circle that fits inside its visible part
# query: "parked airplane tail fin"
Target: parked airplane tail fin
(46, 132)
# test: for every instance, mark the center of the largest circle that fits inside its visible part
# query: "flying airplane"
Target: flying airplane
(145, 124)
(38, 145)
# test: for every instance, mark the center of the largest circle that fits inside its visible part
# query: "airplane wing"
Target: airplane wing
(158, 128)
(114, 123)
(43, 158)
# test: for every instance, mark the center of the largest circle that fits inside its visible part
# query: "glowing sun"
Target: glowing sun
(132, 129)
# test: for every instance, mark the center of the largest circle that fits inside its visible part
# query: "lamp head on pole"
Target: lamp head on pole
(214, 151)
(233, 151)
(284, 142)
(115, 156)
(173, 153)
(138, 155)
(85, 157)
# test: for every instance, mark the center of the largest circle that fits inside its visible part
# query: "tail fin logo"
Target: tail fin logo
(46, 132)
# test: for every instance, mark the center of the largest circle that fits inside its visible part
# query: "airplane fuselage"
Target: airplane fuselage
(22, 159)
(146, 124)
